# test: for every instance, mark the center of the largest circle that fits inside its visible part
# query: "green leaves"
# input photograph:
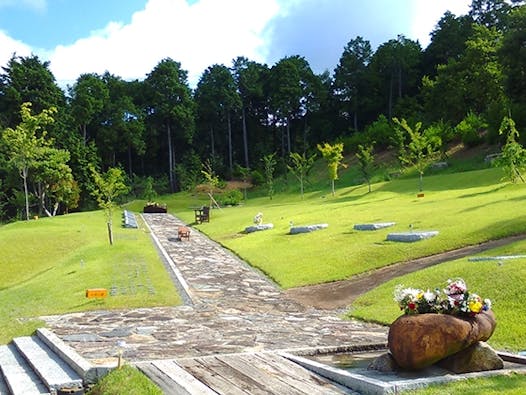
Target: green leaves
(416, 148)
(513, 155)
(300, 166)
(333, 155)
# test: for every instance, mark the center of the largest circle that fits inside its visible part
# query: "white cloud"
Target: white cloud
(197, 35)
(9, 47)
(427, 13)
(37, 5)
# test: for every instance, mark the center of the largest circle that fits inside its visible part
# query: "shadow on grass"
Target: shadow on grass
(511, 227)
(28, 279)
(490, 191)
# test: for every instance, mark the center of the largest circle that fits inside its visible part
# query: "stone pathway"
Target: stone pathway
(230, 308)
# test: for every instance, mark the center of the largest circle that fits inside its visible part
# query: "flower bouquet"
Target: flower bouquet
(454, 299)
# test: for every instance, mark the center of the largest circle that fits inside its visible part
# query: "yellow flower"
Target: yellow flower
(475, 306)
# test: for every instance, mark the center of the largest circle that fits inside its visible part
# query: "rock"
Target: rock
(384, 363)
(417, 341)
(256, 228)
(477, 358)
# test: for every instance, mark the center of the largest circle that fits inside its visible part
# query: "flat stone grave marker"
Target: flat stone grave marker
(374, 226)
(410, 237)
(256, 228)
(307, 228)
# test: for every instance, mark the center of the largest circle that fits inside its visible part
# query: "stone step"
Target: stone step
(87, 371)
(54, 372)
(3, 385)
(19, 376)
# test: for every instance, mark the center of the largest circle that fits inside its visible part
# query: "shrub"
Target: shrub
(231, 198)
(471, 128)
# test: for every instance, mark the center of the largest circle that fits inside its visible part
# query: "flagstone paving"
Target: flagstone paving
(229, 308)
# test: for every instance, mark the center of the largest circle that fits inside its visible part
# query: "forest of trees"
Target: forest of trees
(470, 76)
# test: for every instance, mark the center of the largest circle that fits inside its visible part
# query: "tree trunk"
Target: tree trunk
(289, 148)
(130, 169)
(84, 128)
(170, 158)
(332, 188)
(212, 140)
(355, 115)
(399, 81)
(421, 182)
(245, 137)
(230, 156)
(305, 133)
(110, 233)
(26, 192)
(390, 109)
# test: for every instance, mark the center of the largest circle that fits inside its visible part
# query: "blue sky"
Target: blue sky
(129, 37)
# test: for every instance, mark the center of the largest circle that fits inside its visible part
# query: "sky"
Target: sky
(129, 37)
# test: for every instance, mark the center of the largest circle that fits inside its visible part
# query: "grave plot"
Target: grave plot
(131, 278)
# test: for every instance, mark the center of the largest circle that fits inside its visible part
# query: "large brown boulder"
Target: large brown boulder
(417, 341)
(478, 357)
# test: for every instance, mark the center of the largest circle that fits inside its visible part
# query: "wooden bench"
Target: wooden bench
(183, 233)
(202, 214)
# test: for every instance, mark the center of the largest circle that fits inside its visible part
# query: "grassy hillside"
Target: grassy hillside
(48, 264)
(466, 208)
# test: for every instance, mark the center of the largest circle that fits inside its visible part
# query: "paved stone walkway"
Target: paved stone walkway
(229, 308)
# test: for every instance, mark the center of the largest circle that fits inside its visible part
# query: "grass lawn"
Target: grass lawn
(466, 208)
(47, 265)
(125, 381)
(513, 384)
(500, 281)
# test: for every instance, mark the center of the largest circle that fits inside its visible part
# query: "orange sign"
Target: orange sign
(96, 293)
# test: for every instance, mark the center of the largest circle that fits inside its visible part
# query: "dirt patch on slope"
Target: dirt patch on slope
(340, 294)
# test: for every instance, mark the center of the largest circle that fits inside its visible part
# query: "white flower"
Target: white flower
(430, 296)
(487, 303)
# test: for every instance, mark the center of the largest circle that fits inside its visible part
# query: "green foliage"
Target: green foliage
(300, 167)
(231, 197)
(513, 156)
(333, 155)
(269, 164)
(25, 143)
(188, 171)
(365, 156)
(257, 177)
(125, 381)
(108, 187)
(416, 148)
(380, 131)
(471, 128)
(211, 178)
(149, 191)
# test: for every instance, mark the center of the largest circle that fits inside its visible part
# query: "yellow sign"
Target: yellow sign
(96, 293)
